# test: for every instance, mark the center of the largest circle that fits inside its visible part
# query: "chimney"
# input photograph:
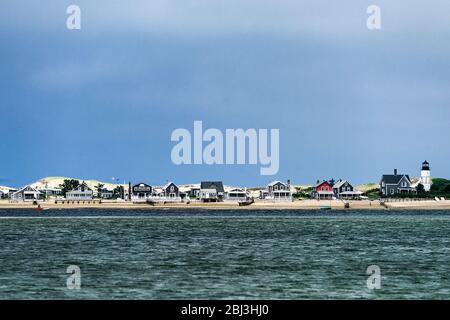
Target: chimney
(129, 191)
(395, 172)
(289, 184)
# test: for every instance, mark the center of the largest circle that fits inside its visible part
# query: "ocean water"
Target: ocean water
(224, 254)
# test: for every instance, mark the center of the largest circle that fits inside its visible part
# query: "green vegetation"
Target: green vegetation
(302, 193)
(439, 188)
(68, 185)
(118, 192)
(373, 194)
(99, 188)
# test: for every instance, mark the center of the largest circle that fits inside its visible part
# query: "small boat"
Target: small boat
(246, 202)
(325, 208)
(40, 209)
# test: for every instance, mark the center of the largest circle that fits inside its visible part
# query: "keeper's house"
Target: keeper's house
(82, 192)
(141, 191)
(211, 191)
(27, 193)
(392, 184)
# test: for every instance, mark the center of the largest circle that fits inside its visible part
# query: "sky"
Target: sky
(102, 102)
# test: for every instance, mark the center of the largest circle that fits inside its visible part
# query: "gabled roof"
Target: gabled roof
(276, 182)
(141, 183)
(169, 183)
(321, 183)
(218, 185)
(84, 187)
(394, 179)
(340, 183)
(27, 188)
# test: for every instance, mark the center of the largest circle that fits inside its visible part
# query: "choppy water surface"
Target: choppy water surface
(224, 254)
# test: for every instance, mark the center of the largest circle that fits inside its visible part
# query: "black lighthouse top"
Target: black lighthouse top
(425, 165)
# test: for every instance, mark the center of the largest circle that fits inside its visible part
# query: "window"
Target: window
(392, 191)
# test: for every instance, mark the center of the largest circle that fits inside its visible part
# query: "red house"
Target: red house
(323, 191)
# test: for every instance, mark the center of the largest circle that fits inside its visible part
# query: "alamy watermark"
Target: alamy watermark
(73, 21)
(374, 20)
(236, 146)
(74, 280)
(374, 279)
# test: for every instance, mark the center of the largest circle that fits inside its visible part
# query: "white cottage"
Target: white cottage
(83, 192)
(27, 193)
(237, 194)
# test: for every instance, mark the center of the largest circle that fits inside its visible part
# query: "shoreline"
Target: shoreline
(228, 205)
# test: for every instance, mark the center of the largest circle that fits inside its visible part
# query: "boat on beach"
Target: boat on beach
(246, 202)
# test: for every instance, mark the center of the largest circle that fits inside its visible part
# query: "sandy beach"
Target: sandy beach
(263, 205)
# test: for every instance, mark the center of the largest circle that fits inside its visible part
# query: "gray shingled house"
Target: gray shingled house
(392, 184)
(211, 191)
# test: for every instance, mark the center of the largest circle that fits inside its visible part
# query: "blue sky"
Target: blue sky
(102, 101)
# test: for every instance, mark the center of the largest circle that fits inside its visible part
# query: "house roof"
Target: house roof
(168, 184)
(394, 179)
(218, 185)
(275, 182)
(321, 183)
(340, 183)
(27, 188)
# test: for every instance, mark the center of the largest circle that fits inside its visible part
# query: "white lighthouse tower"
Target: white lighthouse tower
(425, 178)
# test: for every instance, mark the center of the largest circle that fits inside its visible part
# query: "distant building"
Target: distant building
(50, 192)
(82, 192)
(277, 190)
(425, 176)
(211, 191)
(104, 193)
(236, 194)
(171, 191)
(194, 192)
(322, 191)
(141, 191)
(27, 193)
(5, 193)
(392, 184)
(342, 189)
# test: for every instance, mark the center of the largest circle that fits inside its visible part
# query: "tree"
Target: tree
(69, 185)
(118, 192)
(99, 188)
(420, 188)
